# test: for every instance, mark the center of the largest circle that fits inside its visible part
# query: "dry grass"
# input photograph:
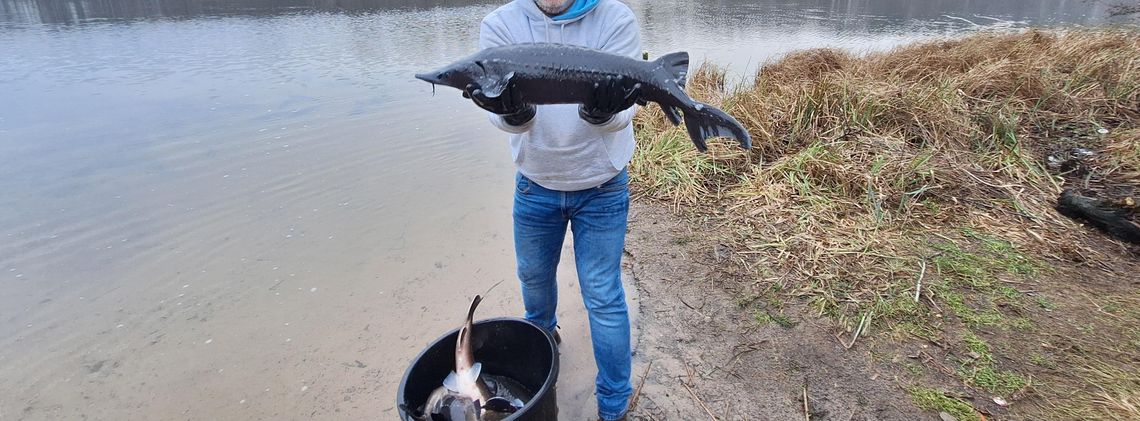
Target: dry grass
(866, 170)
(1123, 156)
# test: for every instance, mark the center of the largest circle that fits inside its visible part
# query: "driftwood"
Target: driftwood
(1110, 218)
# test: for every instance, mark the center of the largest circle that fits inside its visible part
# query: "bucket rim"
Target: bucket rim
(549, 383)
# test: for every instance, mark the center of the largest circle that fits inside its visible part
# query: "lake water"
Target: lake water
(249, 209)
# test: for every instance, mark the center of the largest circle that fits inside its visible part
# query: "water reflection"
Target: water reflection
(74, 11)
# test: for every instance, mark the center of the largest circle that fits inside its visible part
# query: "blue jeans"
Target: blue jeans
(597, 218)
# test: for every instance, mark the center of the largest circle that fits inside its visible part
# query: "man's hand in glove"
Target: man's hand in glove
(507, 104)
(610, 97)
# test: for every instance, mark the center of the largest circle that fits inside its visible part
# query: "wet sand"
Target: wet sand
(295, 304)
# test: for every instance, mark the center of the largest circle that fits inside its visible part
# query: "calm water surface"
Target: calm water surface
(250, 210)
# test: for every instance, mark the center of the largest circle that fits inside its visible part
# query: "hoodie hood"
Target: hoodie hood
(579, 9)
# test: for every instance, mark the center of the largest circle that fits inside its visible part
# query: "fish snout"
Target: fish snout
(431, 77)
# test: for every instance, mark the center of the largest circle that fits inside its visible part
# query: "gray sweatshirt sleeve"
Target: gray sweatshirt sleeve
(624, 39)
(492, 33)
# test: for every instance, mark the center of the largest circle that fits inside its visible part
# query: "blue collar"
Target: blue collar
(579, 8)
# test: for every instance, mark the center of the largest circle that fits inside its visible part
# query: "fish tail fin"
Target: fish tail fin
(471, 311)
(677, 65)
(463, 337)
(705, 121)
(488, 291)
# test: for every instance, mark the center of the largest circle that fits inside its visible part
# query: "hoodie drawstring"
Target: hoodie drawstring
(546, 30)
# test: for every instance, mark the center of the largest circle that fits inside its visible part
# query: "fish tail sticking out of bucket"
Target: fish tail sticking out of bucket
(465, 394)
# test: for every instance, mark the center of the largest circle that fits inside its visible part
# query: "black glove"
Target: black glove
(507, 104)
(609, 97)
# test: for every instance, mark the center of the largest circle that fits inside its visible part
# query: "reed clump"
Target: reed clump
(869, 173)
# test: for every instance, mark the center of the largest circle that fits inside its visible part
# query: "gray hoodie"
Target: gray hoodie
(557, 149)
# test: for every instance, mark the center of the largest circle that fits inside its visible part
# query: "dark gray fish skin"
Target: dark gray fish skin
(546, 73)
(508, 390)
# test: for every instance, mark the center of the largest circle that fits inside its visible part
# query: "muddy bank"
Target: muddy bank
(707, 358)
(703, 354)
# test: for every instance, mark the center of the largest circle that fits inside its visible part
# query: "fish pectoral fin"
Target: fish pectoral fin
(495, 87)
(451, 382)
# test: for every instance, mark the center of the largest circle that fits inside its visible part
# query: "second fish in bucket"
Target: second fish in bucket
(467, 394)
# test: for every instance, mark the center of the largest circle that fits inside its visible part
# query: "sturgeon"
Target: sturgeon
(465, 394)
(548, 73)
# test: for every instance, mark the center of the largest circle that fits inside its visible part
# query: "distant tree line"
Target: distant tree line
(1120, 7)
(1124, 9)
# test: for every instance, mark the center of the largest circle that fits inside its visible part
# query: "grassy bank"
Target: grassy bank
(908, 196)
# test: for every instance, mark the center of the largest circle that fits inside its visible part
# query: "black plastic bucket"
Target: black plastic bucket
(507, 346)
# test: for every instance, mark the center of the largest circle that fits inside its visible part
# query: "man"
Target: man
(571, 170)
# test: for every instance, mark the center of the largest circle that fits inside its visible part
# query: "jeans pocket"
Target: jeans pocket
(522, 184)
(618, 183)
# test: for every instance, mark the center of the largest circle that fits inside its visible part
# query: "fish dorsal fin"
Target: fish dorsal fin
(495, 86)
(677, 65)
(451, 382)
